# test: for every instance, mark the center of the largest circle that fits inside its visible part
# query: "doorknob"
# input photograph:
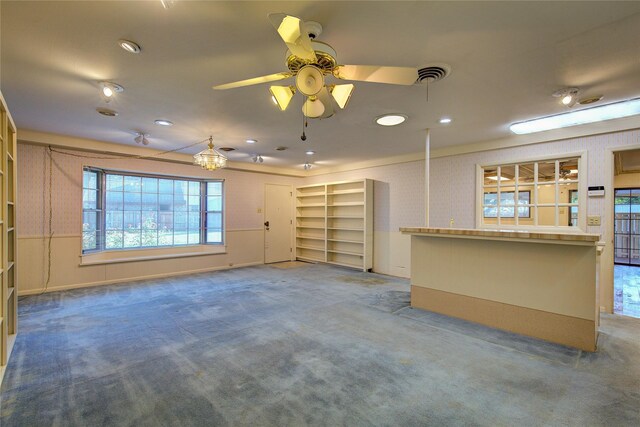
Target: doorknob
(266, 224)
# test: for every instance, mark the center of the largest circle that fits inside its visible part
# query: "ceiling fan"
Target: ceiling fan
(310, 61)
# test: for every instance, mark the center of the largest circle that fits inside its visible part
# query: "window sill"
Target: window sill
(134, 255)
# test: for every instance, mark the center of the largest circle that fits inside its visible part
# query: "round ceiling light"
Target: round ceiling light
(391, 119)
(163, 122)
(107, 112)
(129, 46)
(310, 153)
(251, 141)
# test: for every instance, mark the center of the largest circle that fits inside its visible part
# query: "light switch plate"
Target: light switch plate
(593, 220)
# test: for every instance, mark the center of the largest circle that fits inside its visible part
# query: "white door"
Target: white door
(278, 222)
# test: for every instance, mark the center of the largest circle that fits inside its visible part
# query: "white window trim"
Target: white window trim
(582, 194)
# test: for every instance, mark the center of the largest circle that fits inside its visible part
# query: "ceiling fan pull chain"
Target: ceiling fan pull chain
(304, 125)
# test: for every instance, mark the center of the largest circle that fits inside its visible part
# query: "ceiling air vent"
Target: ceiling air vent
(433, 73)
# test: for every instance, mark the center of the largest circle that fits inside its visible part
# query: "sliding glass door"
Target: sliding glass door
(627, 226)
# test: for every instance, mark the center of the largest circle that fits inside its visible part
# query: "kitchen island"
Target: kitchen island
(539, 284)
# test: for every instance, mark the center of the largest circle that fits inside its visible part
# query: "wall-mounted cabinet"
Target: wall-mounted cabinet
(334, 223)
(8, 288)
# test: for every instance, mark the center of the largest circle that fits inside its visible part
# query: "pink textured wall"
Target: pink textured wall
(244, 190)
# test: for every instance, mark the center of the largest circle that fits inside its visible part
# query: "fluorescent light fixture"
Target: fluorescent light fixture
(589, 115)
(163, 122)
(281, 95)
(342, 94)
(251, 141)
(129, 46)
(445, 120)
(391, 119)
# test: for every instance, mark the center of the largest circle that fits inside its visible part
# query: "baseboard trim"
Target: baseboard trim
(133, 279)
(556, 328)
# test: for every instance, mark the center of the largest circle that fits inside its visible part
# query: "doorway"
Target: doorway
(626, 233)
(278, 221)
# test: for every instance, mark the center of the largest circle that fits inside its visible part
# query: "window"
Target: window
(490, 208)
(543, 193)
(127, 211)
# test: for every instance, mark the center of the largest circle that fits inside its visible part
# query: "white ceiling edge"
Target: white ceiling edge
(89, 145)
(581, 131)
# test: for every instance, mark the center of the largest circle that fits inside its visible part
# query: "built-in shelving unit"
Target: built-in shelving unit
(8, 278)
(334, 223)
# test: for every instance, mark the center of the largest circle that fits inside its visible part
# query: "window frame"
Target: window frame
(196, 248)
(581, 226)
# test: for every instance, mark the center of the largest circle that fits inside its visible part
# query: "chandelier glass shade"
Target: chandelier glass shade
(210, 159)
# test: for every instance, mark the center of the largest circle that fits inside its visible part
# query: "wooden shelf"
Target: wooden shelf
(345, 241)
(345, 192)
(335, 251)
(304, 258)
(309, 237)
(310, 248)
(348, 222)
(8, 272)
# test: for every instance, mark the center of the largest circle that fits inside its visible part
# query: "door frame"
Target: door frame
(607, 260)
(292, 216)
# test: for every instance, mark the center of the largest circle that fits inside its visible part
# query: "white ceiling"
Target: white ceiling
(507, 58)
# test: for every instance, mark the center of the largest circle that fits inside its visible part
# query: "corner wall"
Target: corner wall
(244, 195)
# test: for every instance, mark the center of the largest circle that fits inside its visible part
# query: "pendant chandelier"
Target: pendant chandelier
(210, 159)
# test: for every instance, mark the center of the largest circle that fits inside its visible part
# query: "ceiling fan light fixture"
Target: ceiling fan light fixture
(342, 94)
(282, 95)
(312, 108)
(209, 158)
(391, 119)
(309, 80)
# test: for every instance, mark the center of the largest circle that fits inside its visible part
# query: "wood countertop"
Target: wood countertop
(474, 233)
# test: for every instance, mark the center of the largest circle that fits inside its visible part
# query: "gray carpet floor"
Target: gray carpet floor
(312, 345)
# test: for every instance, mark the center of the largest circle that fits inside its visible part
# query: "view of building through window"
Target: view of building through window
(123, 211)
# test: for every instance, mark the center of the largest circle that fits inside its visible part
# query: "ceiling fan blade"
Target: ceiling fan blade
(377, 74)
(325, 98)
(254, 81)
(291, 29)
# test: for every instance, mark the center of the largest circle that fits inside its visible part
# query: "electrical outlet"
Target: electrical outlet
(259, 210)
(593, 220)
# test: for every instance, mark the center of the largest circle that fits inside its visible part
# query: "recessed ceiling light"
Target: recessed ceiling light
(588, 115)
(163, 122)
(281, 148)
(445, 120)
(310, 153)
(227, 149)
(129, 46)
(391, 119)
(109, 89)
(251, 141)
(107, 112)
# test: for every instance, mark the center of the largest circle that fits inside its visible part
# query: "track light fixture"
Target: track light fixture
(141, 138)
(257, 158)
(568, 96)
(307, 166)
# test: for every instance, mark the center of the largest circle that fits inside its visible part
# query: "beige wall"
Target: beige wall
(244, 236)
(627, 180)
